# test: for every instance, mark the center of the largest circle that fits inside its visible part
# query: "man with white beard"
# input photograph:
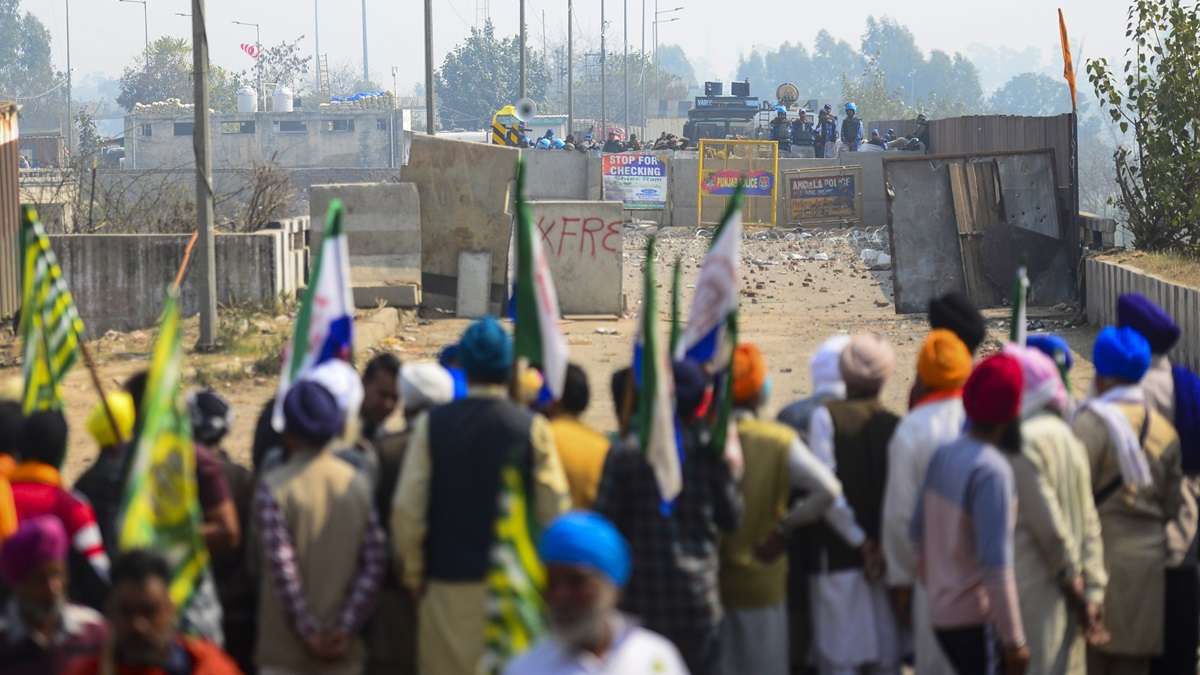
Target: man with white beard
(587, 563)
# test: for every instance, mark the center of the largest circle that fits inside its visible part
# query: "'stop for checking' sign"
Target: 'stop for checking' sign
(638, 180)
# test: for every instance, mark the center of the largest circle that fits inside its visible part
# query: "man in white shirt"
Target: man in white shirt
(587, 563)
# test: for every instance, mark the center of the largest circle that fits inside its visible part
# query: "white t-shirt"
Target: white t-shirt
(636, 651)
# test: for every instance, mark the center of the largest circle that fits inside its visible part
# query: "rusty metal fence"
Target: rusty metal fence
(10, 218)
(723, 164)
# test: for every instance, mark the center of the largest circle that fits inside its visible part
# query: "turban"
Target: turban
(587, 539)
(425, 385)
(1121, 353)
(312, 413)
(1187, 417)
(957, 314)
(1055, 347)
(485, 350)
(530, 386)
(749, 373)
(36, 542)
(1043, 384)
(866, 363)
(124, 412)
(992, 394)
(342, 381)
(826, 375)
(1138, 312)
(944, 362)
(211, 416)
(690, 386)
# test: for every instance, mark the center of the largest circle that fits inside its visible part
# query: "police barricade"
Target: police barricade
(723, 164)
(828, 195)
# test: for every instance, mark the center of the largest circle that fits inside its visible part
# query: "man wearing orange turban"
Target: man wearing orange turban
(936, 418)
(753, 575)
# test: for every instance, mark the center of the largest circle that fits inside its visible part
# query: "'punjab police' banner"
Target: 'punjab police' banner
(827, 195)
(639, 181)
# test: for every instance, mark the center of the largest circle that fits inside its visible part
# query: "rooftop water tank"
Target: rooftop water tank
(247, 100)
(281, 100)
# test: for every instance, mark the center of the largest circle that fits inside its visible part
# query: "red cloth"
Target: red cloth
(39, 499)
(992, 394)
(207, 659)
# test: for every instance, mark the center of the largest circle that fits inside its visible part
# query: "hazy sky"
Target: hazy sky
(107, 34)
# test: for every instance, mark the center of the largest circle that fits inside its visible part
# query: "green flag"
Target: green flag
(160, 508)
(50, 326)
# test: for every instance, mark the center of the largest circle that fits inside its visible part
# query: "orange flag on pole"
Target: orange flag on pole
(1068, 63)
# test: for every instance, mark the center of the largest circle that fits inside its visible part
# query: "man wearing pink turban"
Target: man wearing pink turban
(1058, 552)
(40, 632)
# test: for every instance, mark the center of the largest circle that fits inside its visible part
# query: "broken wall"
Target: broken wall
(956, 225)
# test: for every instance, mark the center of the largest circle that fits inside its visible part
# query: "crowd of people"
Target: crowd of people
(614, 143)
(1000, 521)
(827, 134)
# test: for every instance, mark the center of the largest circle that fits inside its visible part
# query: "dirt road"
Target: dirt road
(797, 289)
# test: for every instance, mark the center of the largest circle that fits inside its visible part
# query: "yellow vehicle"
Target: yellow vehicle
(506, 127)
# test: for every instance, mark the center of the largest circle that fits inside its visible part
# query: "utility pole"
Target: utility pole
(366, 70)
(430, 124)
(317, 42)
(145, 19)
(70, 118)
(603, 80)
(201, 145)
(642, 69)
(570, 66)
(625, 68)
(521, 92)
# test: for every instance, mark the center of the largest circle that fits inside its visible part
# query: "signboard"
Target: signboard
(639, 181)
(825, 195)
(758, 183)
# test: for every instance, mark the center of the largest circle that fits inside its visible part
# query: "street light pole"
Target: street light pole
(430, 124)
(521, 91)
(201, 145)
(570, 67)
(70, 119)
(317, 42)
(603, 80)
(145, 20)
(625, 67)
(257, 62)
(366, 71)
(642, 70)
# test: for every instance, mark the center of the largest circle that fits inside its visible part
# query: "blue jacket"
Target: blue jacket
(827, 131)
(852, 131)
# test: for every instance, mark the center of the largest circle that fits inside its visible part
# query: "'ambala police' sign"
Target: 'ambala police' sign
(639, 181)
(825, 195)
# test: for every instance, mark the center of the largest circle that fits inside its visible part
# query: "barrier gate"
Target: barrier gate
(722, 164)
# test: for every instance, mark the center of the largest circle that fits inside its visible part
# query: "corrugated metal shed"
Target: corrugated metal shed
(10, 214)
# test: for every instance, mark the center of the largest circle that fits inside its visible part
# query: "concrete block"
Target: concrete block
(472, 299)
(465, 206)
(584, 246)
(373, 328)
(382, 222)
(556, 175)
(403, 296)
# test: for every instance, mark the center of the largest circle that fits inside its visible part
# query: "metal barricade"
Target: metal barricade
(723, 164)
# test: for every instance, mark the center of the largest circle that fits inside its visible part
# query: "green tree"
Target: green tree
(281, 64)
(672, 60)
(895, 48)
(164, 71)
(26, 71)
(832, 61)
(89, 139)
(481, 75)
(872, 96)
(1031, 94)
(1155, 96)
(951, 86)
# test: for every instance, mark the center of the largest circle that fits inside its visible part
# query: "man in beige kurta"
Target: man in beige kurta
(1133, 453)
(444, 512)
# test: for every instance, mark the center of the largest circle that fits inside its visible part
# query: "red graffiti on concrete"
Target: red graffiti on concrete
(579, 235)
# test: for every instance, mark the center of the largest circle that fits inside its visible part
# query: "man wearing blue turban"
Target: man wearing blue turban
(1136, 473)
(587, 565)
(444, 511)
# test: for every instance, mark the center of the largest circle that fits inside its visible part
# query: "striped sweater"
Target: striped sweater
(963, 536)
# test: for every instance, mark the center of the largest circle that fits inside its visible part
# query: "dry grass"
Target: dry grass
(1170, 266)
